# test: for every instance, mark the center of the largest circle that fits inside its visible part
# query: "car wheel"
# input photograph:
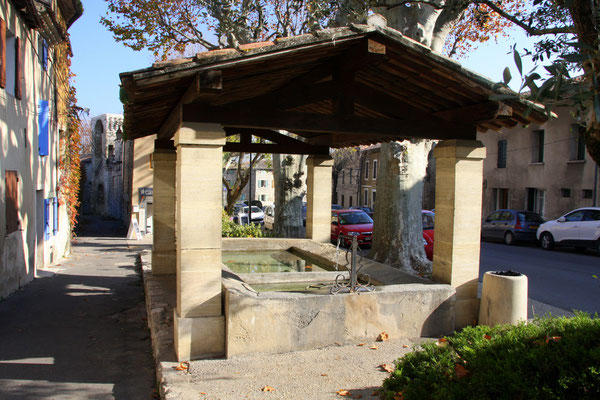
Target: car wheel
(547, 241)
(509, 238)
(580, 249)
(598, 247)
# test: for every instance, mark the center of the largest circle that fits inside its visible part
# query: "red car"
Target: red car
(428, 233)
(352, 222)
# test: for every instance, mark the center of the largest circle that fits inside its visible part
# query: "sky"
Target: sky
(98, 59)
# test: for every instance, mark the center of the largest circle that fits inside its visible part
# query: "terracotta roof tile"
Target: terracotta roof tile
(176, 61)
(215, 53)
(255, 45)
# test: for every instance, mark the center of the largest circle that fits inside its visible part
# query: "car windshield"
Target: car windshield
(530, 217)
(428, 219)
(254, 210)
(353, 218)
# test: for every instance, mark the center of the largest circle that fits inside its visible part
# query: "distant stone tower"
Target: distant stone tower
(107, 166)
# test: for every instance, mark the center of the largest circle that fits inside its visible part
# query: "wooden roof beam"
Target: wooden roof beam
(477, 113)
(205, 84)
(293, 121)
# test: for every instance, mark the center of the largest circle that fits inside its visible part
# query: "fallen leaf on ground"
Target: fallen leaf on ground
(553, 339)
(373, 347)
(383, 337)
(375, 393)
(442, 342)
(323, 374)
(405, 346)
(460, 371)
(202, 392)
(343, 392)
(488, 337)
(184, 366)
(387, 367)
(398, 396)
(361, 344)
(268, 389)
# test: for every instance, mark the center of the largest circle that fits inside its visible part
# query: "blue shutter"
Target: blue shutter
(55, 216)
(47, 219)
(45, 55)
(43, 118)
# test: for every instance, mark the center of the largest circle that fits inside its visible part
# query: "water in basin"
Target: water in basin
(244, 262)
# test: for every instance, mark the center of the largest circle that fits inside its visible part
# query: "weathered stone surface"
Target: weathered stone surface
(459, 179)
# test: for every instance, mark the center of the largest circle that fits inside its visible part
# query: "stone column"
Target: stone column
(458, 196)
(318, 198)
(199, 321)
(163, 238)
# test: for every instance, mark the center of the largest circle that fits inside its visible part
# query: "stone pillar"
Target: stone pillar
(163, 239)
(199, 321)
(318, 198)
(458, 196)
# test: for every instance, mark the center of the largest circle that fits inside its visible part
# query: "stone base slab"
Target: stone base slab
(466, 312)
(199, 337)
(163, 262)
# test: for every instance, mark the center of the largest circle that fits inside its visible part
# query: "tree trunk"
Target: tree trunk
(582, 14)
(398, 229)
(289, 172)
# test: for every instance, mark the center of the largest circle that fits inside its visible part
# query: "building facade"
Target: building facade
(103, 188)
(34, 97)
(261, 180)
(541, 168)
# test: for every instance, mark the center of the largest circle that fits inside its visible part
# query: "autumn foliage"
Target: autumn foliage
(549, 358)
(69, 163)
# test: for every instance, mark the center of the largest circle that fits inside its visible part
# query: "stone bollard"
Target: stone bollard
(503, 298)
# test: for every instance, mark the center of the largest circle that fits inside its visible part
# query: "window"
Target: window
(262, 197)
(366, 198)
(43, 125)
(350, 176)
(587, 193)
(366, 170)
(501, 154)
(43, 53)
(262, 183)
(537, 147)
(577, 143)
(343, 201)
(9, 68)
(536, 200)
(500, 198)
(374, 169)
(11, 180)
(373, 193)
(54, 216)
(565, 192)
(3, 53)
(350, 202)
(343, 177)
(47, 219)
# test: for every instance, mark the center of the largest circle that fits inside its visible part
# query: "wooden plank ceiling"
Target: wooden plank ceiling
(341, 87)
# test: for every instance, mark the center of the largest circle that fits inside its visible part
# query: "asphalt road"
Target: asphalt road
(561, 277)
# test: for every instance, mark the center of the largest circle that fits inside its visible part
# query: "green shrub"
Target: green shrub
(549, 358)
(231, 229)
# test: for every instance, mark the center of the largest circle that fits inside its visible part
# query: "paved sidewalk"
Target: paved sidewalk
(79, 330)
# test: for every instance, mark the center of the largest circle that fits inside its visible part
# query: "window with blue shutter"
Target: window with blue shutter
(44, 54)
(43, 118)
(55, 216)
(47, 219)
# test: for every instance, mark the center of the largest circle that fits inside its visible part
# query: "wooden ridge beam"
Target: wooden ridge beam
(487, 111)
(275, 148)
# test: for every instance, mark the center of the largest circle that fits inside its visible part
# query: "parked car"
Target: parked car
(368, 210)
(428, 218)
(579, 228)
(269, 219)
(242, 216)
(256, 203)
(350, 222)
(336, 207)
(511, 226)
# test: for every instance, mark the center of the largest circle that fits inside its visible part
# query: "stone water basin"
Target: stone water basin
(275, 312)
